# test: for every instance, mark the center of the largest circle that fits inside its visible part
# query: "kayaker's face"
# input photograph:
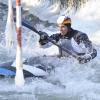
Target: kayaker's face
(63, 29)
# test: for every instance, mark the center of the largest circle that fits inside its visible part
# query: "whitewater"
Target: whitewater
(81, 82)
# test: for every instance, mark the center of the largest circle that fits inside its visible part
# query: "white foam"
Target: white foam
(80, 80)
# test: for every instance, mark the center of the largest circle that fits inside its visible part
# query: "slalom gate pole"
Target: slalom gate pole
(19, 78)
(28, 25)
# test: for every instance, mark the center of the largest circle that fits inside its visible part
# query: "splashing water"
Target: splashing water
(82, 82)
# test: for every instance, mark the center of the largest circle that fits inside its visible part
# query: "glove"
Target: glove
(83, 60)
(43, 38)
(43, 35)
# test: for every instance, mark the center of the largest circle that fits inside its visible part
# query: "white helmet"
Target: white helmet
(63, 20)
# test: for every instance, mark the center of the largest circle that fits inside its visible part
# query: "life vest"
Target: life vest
(71, 45)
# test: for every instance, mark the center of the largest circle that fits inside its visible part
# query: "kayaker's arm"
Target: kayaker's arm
(91, 52)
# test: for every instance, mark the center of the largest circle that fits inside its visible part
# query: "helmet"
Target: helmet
(63, 20)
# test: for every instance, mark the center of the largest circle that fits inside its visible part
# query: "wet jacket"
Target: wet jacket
(81, 39)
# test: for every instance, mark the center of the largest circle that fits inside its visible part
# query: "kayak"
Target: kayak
(36, 70)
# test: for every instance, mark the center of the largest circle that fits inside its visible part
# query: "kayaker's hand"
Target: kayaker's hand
(83, 60)
(43, 35)
(43, 38)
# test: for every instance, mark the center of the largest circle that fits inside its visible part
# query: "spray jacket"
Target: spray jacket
(81, 40)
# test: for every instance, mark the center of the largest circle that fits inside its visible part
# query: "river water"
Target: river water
(70, 81)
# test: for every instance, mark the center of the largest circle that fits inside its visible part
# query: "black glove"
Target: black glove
(83, 60)
(43, 38)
